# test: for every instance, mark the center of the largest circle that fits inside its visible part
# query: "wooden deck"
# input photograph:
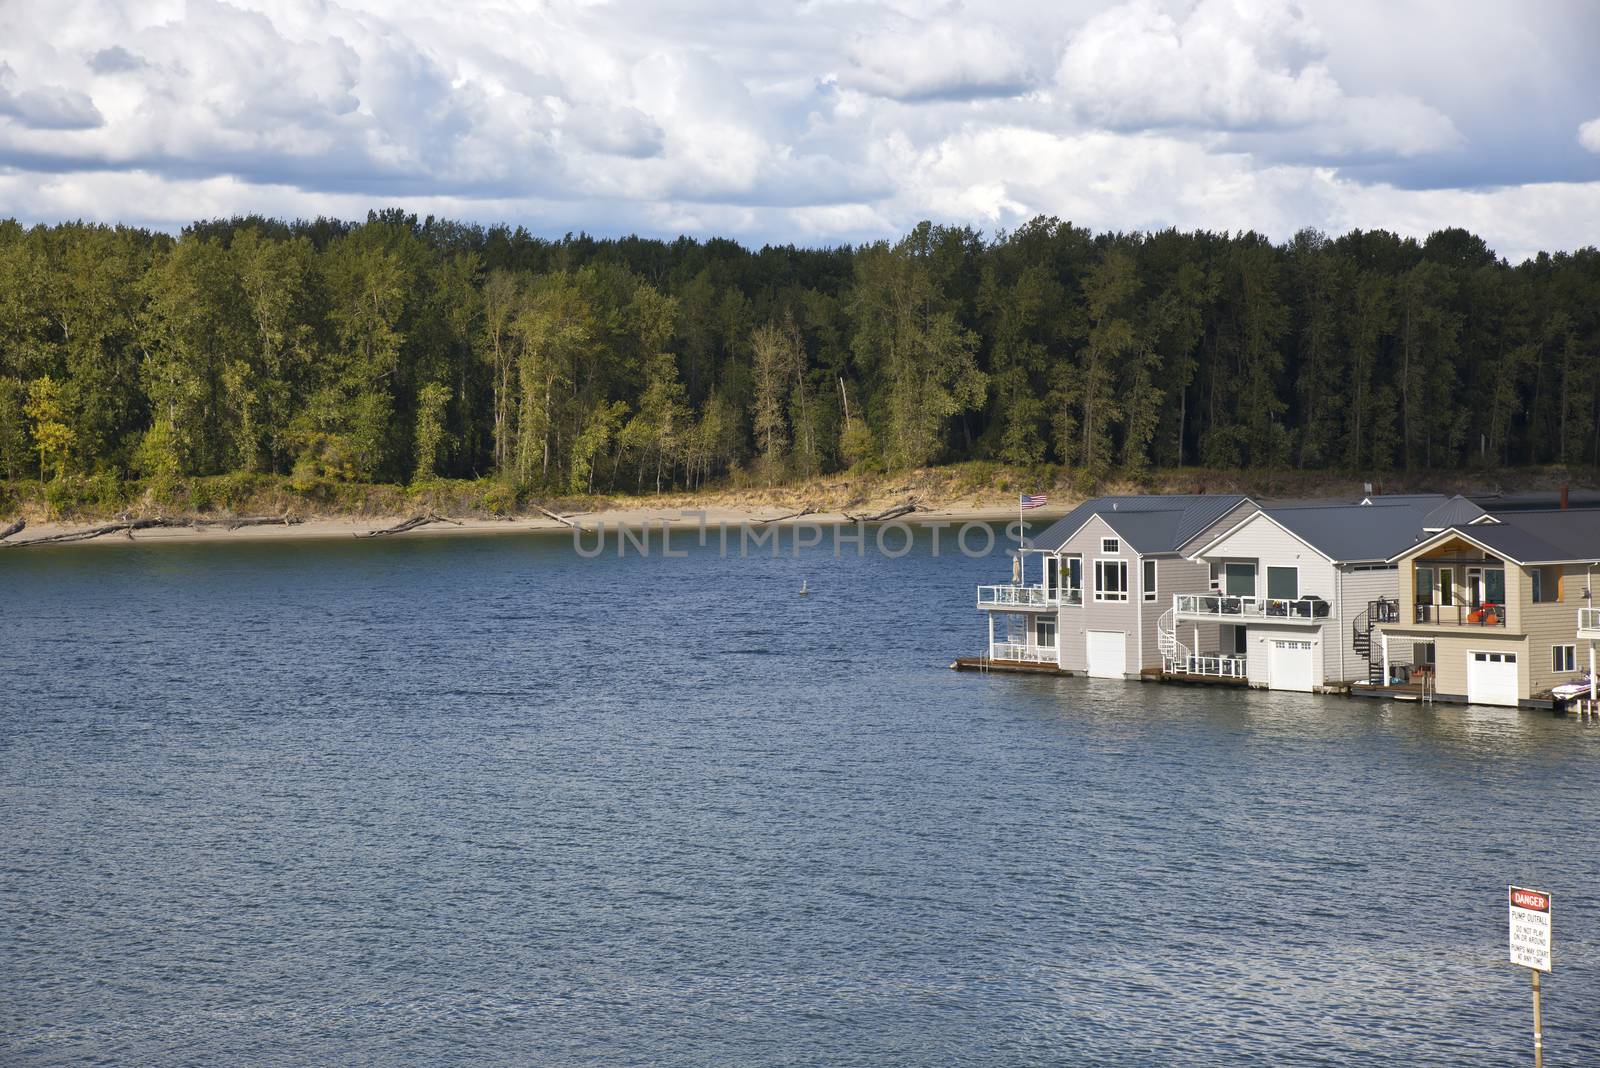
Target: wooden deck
(1023, 667)
(1184, 678)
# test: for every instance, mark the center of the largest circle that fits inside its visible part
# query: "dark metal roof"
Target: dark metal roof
(1457, 511)
(1498, 503)
(1541, 537)
(1151, 524)
(1360, 533)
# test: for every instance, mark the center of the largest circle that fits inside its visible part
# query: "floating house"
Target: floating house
(1104, 573)
(1291, 592)
(1495, 610)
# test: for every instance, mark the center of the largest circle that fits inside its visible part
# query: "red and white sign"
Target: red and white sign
(1530, 928)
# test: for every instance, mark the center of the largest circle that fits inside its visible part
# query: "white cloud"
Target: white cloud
(46, 107)
(832, 120)
(1589, 135)
(1233, 66)
(939, 59)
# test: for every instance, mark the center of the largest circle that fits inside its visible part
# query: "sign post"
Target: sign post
(1530, 948)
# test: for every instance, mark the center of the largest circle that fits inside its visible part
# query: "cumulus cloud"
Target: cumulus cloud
(46, 107)
(115, 60)
(830, 120)
(1234, 66)
(942, 59)
(1589, 135)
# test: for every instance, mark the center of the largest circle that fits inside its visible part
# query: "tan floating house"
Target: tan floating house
(1499, 610)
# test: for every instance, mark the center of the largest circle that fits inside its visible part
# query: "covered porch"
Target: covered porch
(1023, 638)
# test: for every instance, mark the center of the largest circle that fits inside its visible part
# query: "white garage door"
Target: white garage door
(1289, 666)
(1492, 678)
(1108, 654)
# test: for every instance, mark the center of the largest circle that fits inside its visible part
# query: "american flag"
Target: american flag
(1032, 500)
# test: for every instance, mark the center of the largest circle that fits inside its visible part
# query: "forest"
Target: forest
(400, 350)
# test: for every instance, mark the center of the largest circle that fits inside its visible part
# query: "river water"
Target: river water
(482, 801)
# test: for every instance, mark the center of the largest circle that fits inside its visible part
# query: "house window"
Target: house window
(1564, 658)
(1447, 586)
(1111, 580)
(1239, 580)
(1074, 568)
(1216, 576)
(1283, 583)
(1149, 580)
(1044, 631)
(1110, 545)
(1546, 585)
(1424, 585)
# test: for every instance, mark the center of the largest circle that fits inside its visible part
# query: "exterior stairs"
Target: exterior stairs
(1174, 654)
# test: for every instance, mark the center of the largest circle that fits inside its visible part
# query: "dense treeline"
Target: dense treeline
(399, 349)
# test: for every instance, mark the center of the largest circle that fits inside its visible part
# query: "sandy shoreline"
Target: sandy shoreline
(316, 528)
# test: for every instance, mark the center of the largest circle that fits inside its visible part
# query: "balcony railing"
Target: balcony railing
(1222, 667)
(1276, 609)
(1030, 654)
(1020, 597)
(1589, 621)
(1459, 615)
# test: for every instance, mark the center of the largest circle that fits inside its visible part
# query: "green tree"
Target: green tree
(776, 361)
(432, 400)
(908, 335)
(52, 437)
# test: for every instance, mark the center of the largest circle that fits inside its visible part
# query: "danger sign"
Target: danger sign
(1530, 928)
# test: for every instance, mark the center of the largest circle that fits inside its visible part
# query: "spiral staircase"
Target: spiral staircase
(1174, 654)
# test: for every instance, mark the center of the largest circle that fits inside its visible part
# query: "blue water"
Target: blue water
(479, 801)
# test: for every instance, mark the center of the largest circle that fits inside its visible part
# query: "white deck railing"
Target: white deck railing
(1225, 607)
(1589, 620)
(1222, 667)
(1016, 597)
(1031, 654)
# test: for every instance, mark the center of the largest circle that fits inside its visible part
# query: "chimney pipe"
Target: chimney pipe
(1564, 498)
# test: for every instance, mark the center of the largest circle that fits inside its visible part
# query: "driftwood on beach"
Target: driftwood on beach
(548, 514)
(14, 528)
(807, 510)
(890, 513)
(128, 526)
(410, 524)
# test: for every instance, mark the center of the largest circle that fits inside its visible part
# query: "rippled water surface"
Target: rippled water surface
(479, 801)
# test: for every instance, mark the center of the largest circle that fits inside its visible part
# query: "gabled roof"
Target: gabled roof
(1351, 533)
(1457, 511)
(1150, 524)
(1571, 537)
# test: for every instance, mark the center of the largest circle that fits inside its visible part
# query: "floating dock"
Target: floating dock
(1184, 678)
(1021, 667)
(1412, 691)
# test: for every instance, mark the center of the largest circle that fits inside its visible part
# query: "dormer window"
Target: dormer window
(1110, 546)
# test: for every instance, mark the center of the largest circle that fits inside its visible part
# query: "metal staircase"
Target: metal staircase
(1365, 627)
(1174, 654)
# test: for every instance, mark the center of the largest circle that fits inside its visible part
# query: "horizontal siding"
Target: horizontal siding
(1552, 623)
(1078, 620)
(1230, 520)
(1357, 589)
(1265, 543)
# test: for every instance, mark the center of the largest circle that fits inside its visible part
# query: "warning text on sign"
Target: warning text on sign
(1530, 928)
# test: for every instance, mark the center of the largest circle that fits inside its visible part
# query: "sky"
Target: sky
(813, 122)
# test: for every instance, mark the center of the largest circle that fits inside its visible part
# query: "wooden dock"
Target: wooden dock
(1021, 667)
(1184, 678)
